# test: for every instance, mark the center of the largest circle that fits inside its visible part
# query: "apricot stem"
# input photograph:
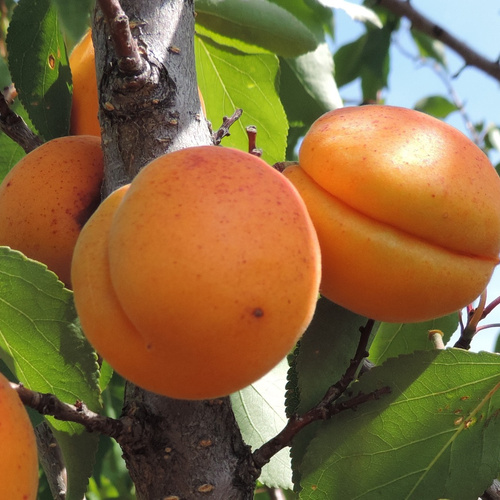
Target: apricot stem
(474, 316)
(327, 407)
(227, 122)
(15, 127)
(127, 51)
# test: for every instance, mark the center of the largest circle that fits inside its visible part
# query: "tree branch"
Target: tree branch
(327, 407)
(49, 404)
(15, 127)
(227, 122)
(129, 58)
(421, 23)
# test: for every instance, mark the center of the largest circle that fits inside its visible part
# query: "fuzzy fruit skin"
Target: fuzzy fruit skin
(215, 268)
(19, 459)
(407, 211)
(48, 196)
(85, 104)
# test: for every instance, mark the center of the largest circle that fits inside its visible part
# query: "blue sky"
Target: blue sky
(477, 24)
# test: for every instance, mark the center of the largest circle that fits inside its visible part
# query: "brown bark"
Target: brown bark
(186, 449)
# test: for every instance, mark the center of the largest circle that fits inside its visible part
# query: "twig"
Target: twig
(129, 58)
(49, 404)
(470, 330)
(15, 127)
(426, 26)
(227, 122)
(252, 138)
(50, 456)
(327, 407)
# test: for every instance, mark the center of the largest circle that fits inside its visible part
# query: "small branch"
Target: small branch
(129, 58)
(252, 138)
(50, 456)
(470, 330)
(15, 127)
(327, 407)
(227, 122)
(426, 26)
(48, 404)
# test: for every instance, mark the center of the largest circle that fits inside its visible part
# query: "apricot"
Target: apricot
(85, 104)
(407, 211)
(202, 277)
(48, 196)
(19, 459)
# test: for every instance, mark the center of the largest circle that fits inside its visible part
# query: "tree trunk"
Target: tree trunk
(184, 449)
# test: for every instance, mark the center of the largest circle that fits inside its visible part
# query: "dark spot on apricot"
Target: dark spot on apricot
(258, 312)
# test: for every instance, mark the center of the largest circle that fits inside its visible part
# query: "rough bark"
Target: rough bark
(186, 449)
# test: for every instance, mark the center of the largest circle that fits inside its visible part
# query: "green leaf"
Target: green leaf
(74, 16)
(354, 11)
(259, 22)
(366, 58)
(229, 79)
(318, 18)
(436, 105)
(434, 436)
(39, 66)
(315, 71)
(45, 349)
(393, 339)
(429, 47)
(322, 357)
(260, 412)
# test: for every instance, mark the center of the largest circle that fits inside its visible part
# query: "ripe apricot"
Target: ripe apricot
(19, 459)
(48, 196)
(208, 272)
(407, 211)
(85, 104)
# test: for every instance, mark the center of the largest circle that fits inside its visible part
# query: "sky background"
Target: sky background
(473, 22)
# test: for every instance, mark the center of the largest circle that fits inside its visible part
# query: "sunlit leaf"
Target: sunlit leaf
(260, 412)
(393, 339)
(434, 436)
(354, 11)
(44, 348)
(259, 22)
(230, 79)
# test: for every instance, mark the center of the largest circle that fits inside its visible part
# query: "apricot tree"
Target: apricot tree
(360, 407)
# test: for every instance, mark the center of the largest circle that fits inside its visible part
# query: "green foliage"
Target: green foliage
(259, 22)
(44, 348)
(393, 339)
(230, 79)
(260, 412)
(435, 436)
(39, 66)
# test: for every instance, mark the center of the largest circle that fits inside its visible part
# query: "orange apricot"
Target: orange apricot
(208, 269)
(407, 211)
(48, 196)
(19, 459)
(85, 104)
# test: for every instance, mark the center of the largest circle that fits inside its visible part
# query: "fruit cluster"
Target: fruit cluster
(201, 276)
(407, 211)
